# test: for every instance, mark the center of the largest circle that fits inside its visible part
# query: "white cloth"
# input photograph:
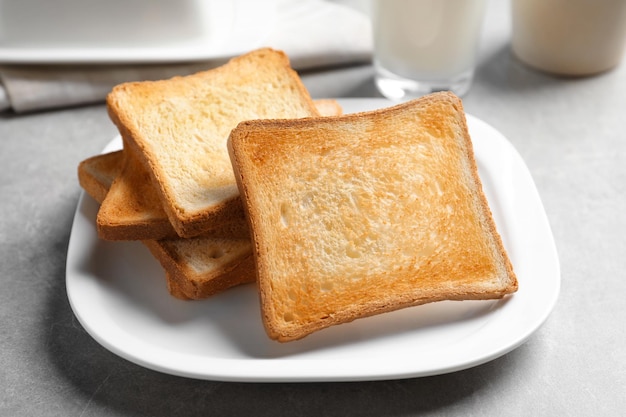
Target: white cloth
(313, 33)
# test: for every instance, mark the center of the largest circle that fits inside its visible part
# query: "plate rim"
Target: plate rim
(264, 369)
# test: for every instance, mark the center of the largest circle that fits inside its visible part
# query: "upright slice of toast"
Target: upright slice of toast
(132, 209)
(179, 127)
(195, 268)
(366, 213)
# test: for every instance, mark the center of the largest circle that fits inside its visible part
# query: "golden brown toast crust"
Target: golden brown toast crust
(178, 128)
(132, 209)
(96, 174)
(200, 286)
(366, 213)
(184, 281)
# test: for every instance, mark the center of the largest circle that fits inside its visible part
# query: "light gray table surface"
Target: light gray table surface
(570, 133)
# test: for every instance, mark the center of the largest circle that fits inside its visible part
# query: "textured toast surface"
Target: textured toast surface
(96, 174)
(132, 209)
(366, 213)
(328, 107)
(200, 267)
(195, 268)
(179, 128)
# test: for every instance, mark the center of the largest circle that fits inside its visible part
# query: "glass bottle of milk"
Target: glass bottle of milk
(422, 46)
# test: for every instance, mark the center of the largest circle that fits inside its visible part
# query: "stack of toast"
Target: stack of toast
(235, 175)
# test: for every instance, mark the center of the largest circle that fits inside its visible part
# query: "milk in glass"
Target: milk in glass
(421, 46)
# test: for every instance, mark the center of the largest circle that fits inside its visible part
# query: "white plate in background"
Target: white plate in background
(137, 31)
(118, 293)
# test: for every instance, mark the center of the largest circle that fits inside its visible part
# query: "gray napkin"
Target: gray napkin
(313, 33)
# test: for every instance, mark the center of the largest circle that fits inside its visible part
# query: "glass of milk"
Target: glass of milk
(423, 46)
(569, 37)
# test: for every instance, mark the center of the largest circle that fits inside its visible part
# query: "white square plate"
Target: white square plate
(117, 290)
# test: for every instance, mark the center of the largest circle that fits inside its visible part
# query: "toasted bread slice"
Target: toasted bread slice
(179, 127)
(96, 174)
(132, 209)
(203, 266)
(328, 107)
(365, 213)
(173, 289)
(195, 268)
